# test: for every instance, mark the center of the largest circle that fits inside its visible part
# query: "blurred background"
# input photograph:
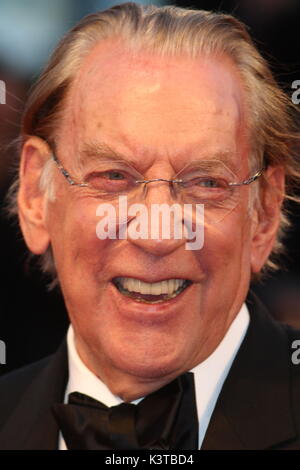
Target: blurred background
(32, 320)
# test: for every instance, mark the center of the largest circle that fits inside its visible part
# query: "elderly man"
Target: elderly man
(156, 105)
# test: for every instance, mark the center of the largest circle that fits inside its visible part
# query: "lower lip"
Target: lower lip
(140, 311)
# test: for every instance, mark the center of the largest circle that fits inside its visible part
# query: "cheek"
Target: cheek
(74, 241)
(227, 244)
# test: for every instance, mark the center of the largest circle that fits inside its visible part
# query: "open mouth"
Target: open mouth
(150, 292)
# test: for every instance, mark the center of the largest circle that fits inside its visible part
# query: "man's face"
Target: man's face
(160, 114)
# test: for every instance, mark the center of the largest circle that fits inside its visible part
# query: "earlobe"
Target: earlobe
(268, 218)
(31, 199)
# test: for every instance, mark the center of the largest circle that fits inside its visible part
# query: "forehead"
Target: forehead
(148, 107)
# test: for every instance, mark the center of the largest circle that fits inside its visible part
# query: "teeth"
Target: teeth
(154, 288)
(141, 287)
(171, 285)
(130, 284)
(164, 287)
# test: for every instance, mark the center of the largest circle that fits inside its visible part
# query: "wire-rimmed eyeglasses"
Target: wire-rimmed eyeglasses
(208, 182)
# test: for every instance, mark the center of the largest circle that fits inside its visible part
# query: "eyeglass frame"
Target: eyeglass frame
(72, 182)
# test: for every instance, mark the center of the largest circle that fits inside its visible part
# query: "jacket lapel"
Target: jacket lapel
(254, 410)
(32, 425)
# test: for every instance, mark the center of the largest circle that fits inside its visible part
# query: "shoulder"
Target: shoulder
(271, 334)
(275, 348)
(20, 378)
(35, 385)
(14, 385)
(293, 341)
(26, 398)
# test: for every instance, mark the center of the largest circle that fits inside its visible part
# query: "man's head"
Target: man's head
(161, 88)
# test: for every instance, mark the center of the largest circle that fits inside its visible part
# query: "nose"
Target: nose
(160, 227)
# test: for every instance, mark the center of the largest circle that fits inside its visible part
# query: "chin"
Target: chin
(149, 366)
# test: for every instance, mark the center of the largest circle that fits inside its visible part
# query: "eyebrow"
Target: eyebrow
(100, 151)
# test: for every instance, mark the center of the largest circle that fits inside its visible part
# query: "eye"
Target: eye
(206, 188)
(110, 181)
(205, 182)
(209, 183)
(114, 175)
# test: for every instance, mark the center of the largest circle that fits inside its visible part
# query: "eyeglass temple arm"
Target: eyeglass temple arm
(65, 173)
(249, 180)
(62, 170)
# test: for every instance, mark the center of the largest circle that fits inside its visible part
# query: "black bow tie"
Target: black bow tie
(165, 420)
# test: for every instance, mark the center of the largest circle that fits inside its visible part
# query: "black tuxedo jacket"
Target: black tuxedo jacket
(258, 407)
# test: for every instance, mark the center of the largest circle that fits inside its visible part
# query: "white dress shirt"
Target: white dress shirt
(209, 375)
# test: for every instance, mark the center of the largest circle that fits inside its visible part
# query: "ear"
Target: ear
(267, 220)
(31, 199)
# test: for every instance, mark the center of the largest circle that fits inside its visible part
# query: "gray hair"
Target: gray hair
(170, 31)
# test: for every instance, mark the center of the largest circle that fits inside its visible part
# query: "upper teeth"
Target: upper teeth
(154, 288)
